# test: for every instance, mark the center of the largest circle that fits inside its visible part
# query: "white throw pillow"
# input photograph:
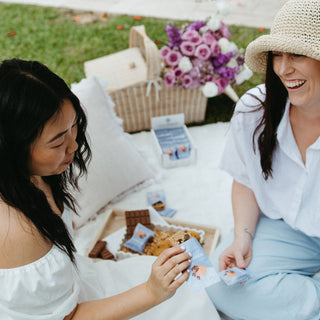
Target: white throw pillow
(116, 165)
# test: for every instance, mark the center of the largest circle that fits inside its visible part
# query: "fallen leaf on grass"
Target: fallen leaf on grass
(11, 34)
(76, 19)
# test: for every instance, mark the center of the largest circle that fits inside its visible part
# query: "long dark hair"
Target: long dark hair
(273, 109)
(30, 94)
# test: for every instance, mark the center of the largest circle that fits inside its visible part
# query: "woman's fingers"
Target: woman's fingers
(167, 254)
(168, 272)
(179, 281)
(176, 270)
(226, 262)
(174, 263)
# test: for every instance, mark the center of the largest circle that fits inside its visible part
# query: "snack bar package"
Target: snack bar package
(202, 273)
(235, 275)
(157, 200)
(174, 142)
(140, 237)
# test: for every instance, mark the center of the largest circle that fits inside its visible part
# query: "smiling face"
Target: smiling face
(53, 151)
(301, 77)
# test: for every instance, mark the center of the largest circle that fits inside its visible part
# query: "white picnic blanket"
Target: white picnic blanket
(200, 193)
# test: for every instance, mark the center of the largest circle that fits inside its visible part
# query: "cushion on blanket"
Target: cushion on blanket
(117, 165)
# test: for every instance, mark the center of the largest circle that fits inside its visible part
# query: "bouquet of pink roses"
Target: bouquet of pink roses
(201, 54)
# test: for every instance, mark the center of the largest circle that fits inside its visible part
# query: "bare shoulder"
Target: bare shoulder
(20, 241)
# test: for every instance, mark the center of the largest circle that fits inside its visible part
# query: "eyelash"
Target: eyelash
(61, 144)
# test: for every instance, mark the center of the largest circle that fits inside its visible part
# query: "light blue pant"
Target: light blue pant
(284, 261)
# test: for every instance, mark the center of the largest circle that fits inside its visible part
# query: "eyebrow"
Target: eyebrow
(57, 136)
(60, 134)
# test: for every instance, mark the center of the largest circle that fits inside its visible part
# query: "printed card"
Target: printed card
(202, 273)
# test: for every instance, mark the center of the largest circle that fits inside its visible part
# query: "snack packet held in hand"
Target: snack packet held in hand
(202, 273)
(140, 237)
(235, 275)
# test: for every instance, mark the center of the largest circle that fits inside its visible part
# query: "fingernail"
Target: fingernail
(190, 254)
(189, 261)
(183, 248)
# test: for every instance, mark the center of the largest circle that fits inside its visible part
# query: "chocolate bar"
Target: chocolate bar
(98, 247)
(134, 217)
(106, 254)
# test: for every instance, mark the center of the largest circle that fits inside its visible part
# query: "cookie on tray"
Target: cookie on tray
(182, 236)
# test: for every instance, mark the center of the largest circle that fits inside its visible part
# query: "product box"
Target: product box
(172, 141)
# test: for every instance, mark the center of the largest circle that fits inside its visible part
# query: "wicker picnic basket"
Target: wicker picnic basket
(136, 88)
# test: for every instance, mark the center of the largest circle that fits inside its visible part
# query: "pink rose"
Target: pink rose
(192, 36)
(164, 51)
(187, 48)
(189, 34)
(225, 31)
(208, 38)
(215, 49)
(208, 77)
(169, 79)
(187, 81)
(222, 83)
(194, 73)
(178, 72)
(197, 63)
(196, 40)
(173, 58)
(203, 52)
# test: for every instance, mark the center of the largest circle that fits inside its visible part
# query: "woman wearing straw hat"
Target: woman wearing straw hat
(273, 154)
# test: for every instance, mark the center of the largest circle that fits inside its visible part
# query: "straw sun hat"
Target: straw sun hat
(295, 29)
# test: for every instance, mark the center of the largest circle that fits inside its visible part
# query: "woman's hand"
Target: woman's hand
(165, 279)
(237, 255)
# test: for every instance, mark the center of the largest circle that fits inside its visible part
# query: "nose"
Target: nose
(72, 144)
(284, 64)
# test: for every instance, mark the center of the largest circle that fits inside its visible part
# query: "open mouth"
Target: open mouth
(295, 84)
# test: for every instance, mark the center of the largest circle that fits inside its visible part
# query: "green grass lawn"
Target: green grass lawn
(53, 37)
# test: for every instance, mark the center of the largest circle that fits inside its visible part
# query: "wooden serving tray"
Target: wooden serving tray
(115, 220)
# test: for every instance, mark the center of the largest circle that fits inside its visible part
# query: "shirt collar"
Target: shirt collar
(285, 136)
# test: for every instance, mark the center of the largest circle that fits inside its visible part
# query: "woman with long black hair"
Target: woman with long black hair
(43, 150)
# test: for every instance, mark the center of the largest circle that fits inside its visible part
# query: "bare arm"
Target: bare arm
(245, 211)
(246, 214)
(161, 285)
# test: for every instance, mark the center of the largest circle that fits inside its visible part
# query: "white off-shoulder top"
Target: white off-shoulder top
(48, 288)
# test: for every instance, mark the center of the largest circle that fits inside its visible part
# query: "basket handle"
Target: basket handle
(149, 50)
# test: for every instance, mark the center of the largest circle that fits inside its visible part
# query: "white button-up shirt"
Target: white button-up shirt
(293, 191)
